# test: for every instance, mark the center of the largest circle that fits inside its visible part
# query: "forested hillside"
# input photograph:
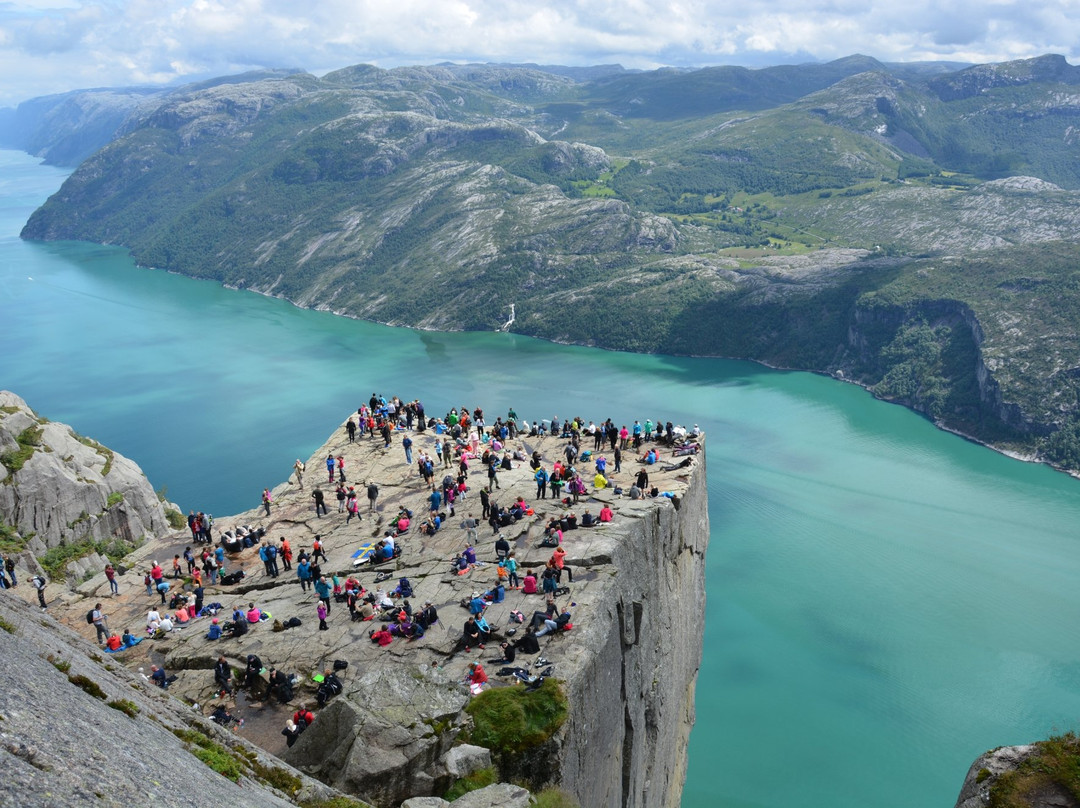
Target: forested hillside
(910, 227)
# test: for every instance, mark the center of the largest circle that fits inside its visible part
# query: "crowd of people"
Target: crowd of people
(460, 471)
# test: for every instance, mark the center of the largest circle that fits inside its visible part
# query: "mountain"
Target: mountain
(810, 216)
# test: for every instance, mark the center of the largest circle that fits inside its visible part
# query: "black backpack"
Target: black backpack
(90, 617)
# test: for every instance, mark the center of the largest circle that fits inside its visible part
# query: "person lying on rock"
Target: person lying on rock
(558, 624)
(508, 653)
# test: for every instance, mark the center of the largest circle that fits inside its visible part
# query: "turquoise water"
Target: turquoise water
(886, 601)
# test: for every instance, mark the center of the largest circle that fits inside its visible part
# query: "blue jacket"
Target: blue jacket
(323, 588)
(303, 571)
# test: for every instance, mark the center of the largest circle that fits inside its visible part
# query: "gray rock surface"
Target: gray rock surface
(987, 768)
(497, 795)
(628, 666)
(62, 493)
(61, 746)
(463, 760)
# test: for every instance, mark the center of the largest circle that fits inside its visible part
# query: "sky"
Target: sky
(52, 46)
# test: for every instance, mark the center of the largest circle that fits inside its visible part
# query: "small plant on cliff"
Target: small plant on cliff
(87, 685)
(554, 798)
(175, 519)
(513, 719)
(28, 440)
(115, 498)
(127, 707)
(472, 782)
(1052, 769)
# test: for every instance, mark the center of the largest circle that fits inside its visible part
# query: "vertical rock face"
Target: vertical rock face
(632, 699)
(64, 488)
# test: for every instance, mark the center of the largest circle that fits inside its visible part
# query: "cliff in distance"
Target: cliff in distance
(911, 229)
(622, 684)
(65, 499)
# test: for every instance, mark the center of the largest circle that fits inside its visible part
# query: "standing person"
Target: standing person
(485, 503)
(350, 427)
(39, 584)
(372, 494)
(100, 622)
(298, 467)
(223, 675)
(303, 572)
(9, 568)
(330, 469)
(406, 444)
(353, 508)
(341, 468)
(110, 575)
(266, 500)
(320, 502)
(176, 567)
(285, 551)
(493, 470)
(189, 557)
(470, 524)
(541, 483)
(322, 612)
(317, 551)
(322, 589)
(341, 494)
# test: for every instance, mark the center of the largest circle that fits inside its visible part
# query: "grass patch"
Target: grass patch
(472, 782)
(97, 447)
(115, 498)
(175, 519)
(61, 665)
(277, 777)
(218, 758)
(554, 798)
(334, 802)
(1052, 769)
(56, 558)
(128, 708)
(87, 685)
(7, 625)
(29, 441)
(511, 719)
(10, 540)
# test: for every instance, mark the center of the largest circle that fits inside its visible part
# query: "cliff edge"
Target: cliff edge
(627, 668)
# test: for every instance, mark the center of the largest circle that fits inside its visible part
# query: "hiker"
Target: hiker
(266, 500)
(101, 623)
(110, 575)
(160, 678)
(223, 674)
(320, 502)
(298, 467)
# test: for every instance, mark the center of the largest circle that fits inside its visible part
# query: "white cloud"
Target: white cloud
(56, 45)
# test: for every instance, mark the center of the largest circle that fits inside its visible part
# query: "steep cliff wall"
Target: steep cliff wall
(61, 488)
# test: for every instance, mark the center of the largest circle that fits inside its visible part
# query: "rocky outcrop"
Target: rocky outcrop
(627, 669)
(62, 488)
(75, 732)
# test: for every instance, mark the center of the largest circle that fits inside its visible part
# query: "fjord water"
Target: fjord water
(885, 601)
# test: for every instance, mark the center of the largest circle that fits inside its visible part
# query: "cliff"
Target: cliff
(627, 669)
(75, 731)
(61, 489)
(1036, 775)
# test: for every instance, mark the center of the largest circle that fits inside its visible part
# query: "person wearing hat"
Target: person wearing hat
(223, 677)
(215, 630)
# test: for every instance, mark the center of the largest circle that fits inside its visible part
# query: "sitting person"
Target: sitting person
(280, 685)
(470, 554)
(460, 564)
(239, 628)
(382, 637)
(600, 481)
(528, 585)
(428, 616)
(606, 514)
(528, 644)
(159, 678)
(166, 624)
(403, 589)
(587, 519)
(254, 615)
(558, 624)
(127, 640)
(508, 653)
(402, 628)
(114, 643)
(182, 616)
(223, 717)
(153, 620)
(476, 678)
(223, 678)
(253, 674)
(471, 634)
(477, 604)
(330, 686)
(497, 594)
